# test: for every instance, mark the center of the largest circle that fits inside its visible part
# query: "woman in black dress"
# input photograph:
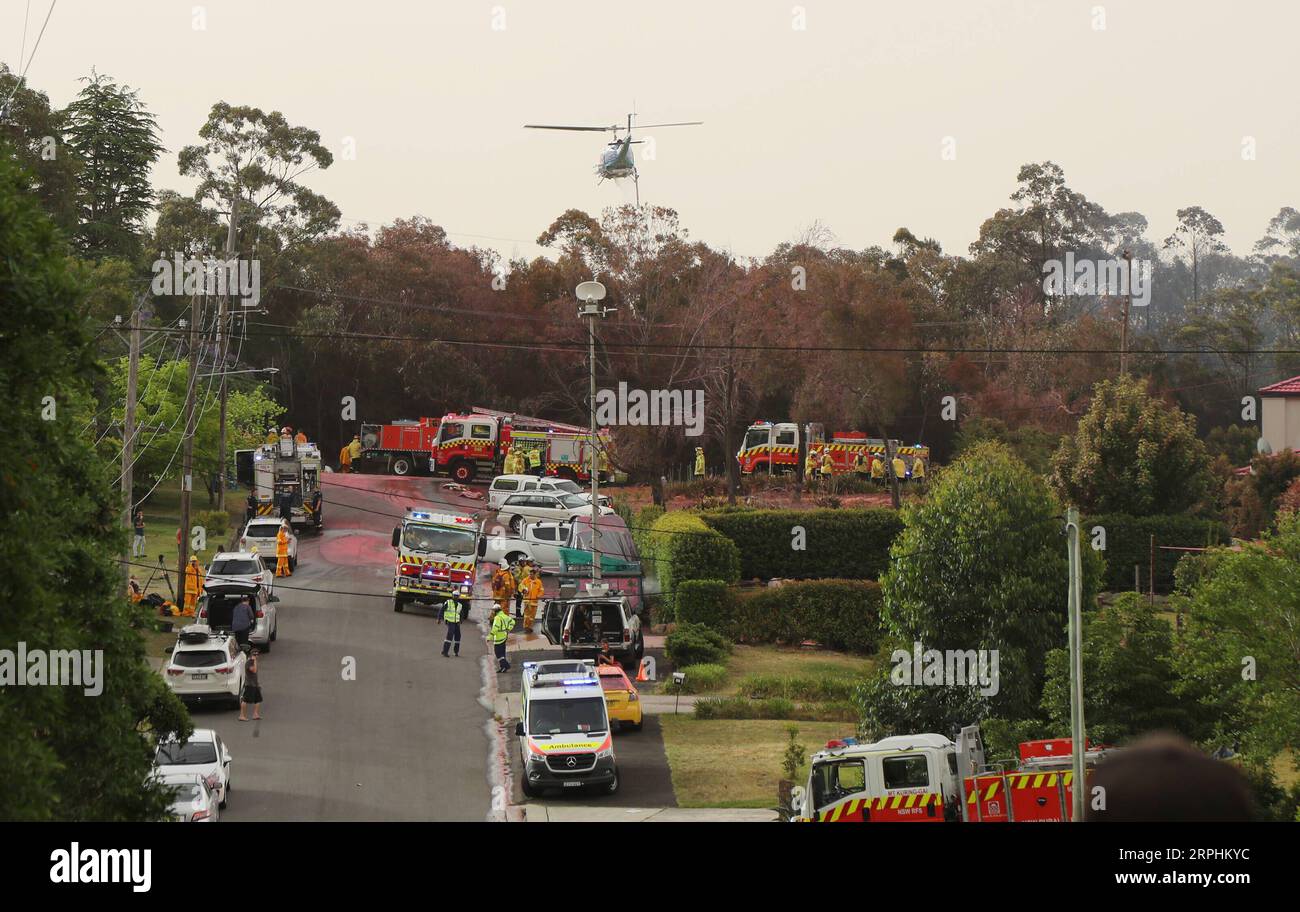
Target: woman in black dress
(252, 694)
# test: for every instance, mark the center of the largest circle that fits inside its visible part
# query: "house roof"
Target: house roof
(1283, 388)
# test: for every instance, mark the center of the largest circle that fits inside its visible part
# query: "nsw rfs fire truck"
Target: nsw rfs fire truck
(437, 558)
(928, 778)
(473, 445)
(780, 449)
(280, 474)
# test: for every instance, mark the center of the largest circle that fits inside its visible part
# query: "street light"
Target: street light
(590, 294)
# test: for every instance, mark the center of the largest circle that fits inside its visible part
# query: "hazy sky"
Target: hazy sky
(843, 121)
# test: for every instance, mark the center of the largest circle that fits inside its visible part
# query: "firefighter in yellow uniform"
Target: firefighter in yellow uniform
(900, 468)
(503, 587)
(918, 469)
(877, 470)
(508, 463)
(810, 464)
(860, 466)
(699, 462)
(282, 553)
(193, 584)
(828, 464)
(535, 461)
(345, 459)
(602, 464)
(301, 438)
(517, 465)
(532, 592)
(354, 448)
(272, 436)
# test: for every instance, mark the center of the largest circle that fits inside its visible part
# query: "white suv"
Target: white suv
(241, 567)
(203, 753)
(205, 666)
(521, 508)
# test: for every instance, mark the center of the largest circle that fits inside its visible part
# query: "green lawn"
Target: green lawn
(162, 513)
(735, 763)
(785, 661)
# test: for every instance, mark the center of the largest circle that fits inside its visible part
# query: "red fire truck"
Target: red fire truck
(473, 445)
(928, 778)
(781, 448)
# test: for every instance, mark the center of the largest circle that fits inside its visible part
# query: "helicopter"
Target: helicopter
(617, 159)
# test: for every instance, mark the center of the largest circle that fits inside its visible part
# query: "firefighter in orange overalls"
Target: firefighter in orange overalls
(503, 587)
(282, 553)
(193, 584)
(532, 592)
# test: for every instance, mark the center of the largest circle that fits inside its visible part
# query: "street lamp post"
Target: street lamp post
(590, 294)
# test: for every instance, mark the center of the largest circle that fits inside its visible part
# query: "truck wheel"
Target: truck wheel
(516, 523)
(567, 472)
(612, 786)
(526, 787)
(401, 466)
(398, 604)
(462, 472)
(515, 557)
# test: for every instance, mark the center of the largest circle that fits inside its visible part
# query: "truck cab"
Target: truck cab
(903, 778)
(437, 555)
(769, 448)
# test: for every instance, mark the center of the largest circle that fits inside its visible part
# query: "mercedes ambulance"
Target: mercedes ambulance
(565, 739)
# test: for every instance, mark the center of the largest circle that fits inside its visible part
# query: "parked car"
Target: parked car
(260, 536)
(241, 567)
(535, 507)
(583, 624)
(621, 699)
(217, 607)
(204, 753)
(205, 665)
(539, 542)
(193, 801)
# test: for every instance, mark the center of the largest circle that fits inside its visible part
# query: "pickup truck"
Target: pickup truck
(539, 542)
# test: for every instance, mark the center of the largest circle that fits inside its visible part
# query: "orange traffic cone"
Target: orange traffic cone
(640, 672)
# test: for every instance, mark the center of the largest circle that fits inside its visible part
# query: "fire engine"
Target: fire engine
(437, 556)
(928, 778)
(472, 446)
(781, 448)
(280, 471)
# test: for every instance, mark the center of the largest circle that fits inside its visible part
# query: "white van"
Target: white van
(565, 740)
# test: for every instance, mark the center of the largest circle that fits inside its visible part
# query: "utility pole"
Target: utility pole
(1128, 300)
(128, 433)
(590, 294)
(222, 345)
(187, 470)
(1076, 660)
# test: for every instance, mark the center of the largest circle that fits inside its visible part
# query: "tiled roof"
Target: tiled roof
(1284, 388)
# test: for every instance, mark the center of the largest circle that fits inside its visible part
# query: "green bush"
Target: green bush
(774, 708)
(645, 520)
(839, 614)
(705, 602)
(1128, 542)
(684, 548)
(216, 522)
(838, 543)
(699, 678)
(695, 644)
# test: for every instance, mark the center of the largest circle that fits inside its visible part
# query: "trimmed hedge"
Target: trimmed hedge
(646, 517)
(839, 614)
(705, 602)
(839, 544)
(695, 644)
(684, 548)
(699, 678)
(1128, 542)
(820, 689)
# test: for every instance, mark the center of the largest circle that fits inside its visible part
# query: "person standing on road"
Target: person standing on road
(241, 621)
(532, 592)
(252, 695)
(503, 587)
(137, 543)
(502, 624)
(354, 450)
(452, 613)
(699, 462)
(518, 571)
(878, 470)
(282, 553)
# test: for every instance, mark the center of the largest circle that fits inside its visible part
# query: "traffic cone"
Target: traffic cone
(640, 671)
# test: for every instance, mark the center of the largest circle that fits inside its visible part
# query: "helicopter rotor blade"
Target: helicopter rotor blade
(582, 129)
(687, 123)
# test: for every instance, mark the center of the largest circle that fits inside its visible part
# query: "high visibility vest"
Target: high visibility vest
(827, 465)
(810, 464)
(533, 589)
(699, 463)
(193, 579)
(918, 468)
(877, 468)
(900, 467)
(502, 624)
(534, 458)
(451, 613)
(355, 449)
(859, 464)
(272, 437)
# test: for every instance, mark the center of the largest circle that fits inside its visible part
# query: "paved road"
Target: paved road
(405, 740)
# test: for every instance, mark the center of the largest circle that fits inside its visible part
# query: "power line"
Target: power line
(35, 47)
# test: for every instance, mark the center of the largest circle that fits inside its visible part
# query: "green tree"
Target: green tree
(1240, 655)
(980, 564)
(1132, 453)
(34, 134)
(1128, 674)
(117, 140)
(1032, 445)
(1197, 236)
(64, 754)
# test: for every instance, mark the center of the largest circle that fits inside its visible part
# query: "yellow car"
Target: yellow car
(621, 698)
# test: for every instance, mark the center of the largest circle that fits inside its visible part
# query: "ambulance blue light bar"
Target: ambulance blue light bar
(578, 682)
